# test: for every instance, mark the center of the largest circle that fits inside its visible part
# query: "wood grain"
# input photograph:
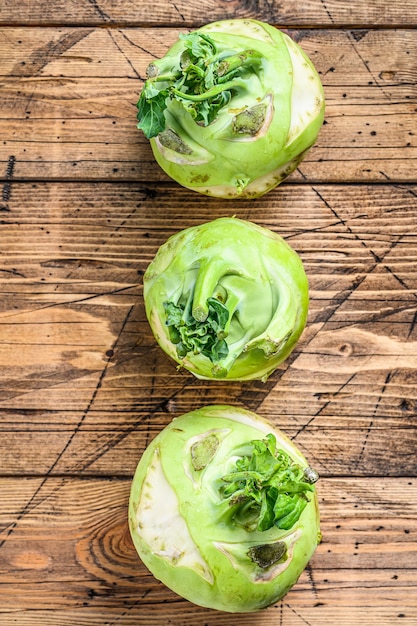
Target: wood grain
(365, 557)
(72, 300)
(83, 386)
(69, 104)
(185, 12)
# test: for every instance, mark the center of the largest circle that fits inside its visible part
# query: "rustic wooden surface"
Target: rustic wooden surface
(84, 388)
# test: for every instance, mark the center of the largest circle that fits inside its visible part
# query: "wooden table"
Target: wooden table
(84, 387)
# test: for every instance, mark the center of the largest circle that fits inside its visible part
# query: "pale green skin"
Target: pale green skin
(226, 164)
(231, 581)
(257, 268)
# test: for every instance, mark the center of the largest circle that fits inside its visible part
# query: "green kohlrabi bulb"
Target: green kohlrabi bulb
(232, 108)
(227, 299)
(224, 510)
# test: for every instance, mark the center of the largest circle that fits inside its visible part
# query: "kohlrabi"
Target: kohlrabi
(223, 509)
(227, 299)
(232, 108)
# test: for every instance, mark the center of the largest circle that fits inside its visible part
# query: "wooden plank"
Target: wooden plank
(67, 555)
(71, 53)
(79, 365)
(68, 104)
(180, 615)
(183, 12)
(370, 450)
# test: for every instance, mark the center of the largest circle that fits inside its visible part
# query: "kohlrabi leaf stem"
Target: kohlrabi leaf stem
(209, 274)
(235, 61)
(160, 78)
(210, 93)
(232, 302)
(220, 370)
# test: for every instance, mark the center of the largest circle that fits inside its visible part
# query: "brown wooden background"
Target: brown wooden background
(83, 387)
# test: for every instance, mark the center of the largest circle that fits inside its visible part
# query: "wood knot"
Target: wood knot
(346, 349)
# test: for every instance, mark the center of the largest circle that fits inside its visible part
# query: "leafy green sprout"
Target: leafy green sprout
(265, 488)
(203, 83)
(205, 337)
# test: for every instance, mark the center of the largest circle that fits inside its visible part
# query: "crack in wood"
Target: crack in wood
(318, 229)
(7, 186)
(297, 614)
(395, 275)
(412, 325)
(328, 13)
(371, 423)
(31, 504)
(121, 435)
(104, 16)
(52, 305)
(124, 55)
(135, 45)
(43, 55)
(254, 400)
(342, 221)
(309, 572)
(352, 39)
(178, 11)
(323, 407)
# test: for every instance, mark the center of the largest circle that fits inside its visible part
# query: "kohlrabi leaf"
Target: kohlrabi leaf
(201, 46)
(198, 337)
(151, 107)
(266, 488)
